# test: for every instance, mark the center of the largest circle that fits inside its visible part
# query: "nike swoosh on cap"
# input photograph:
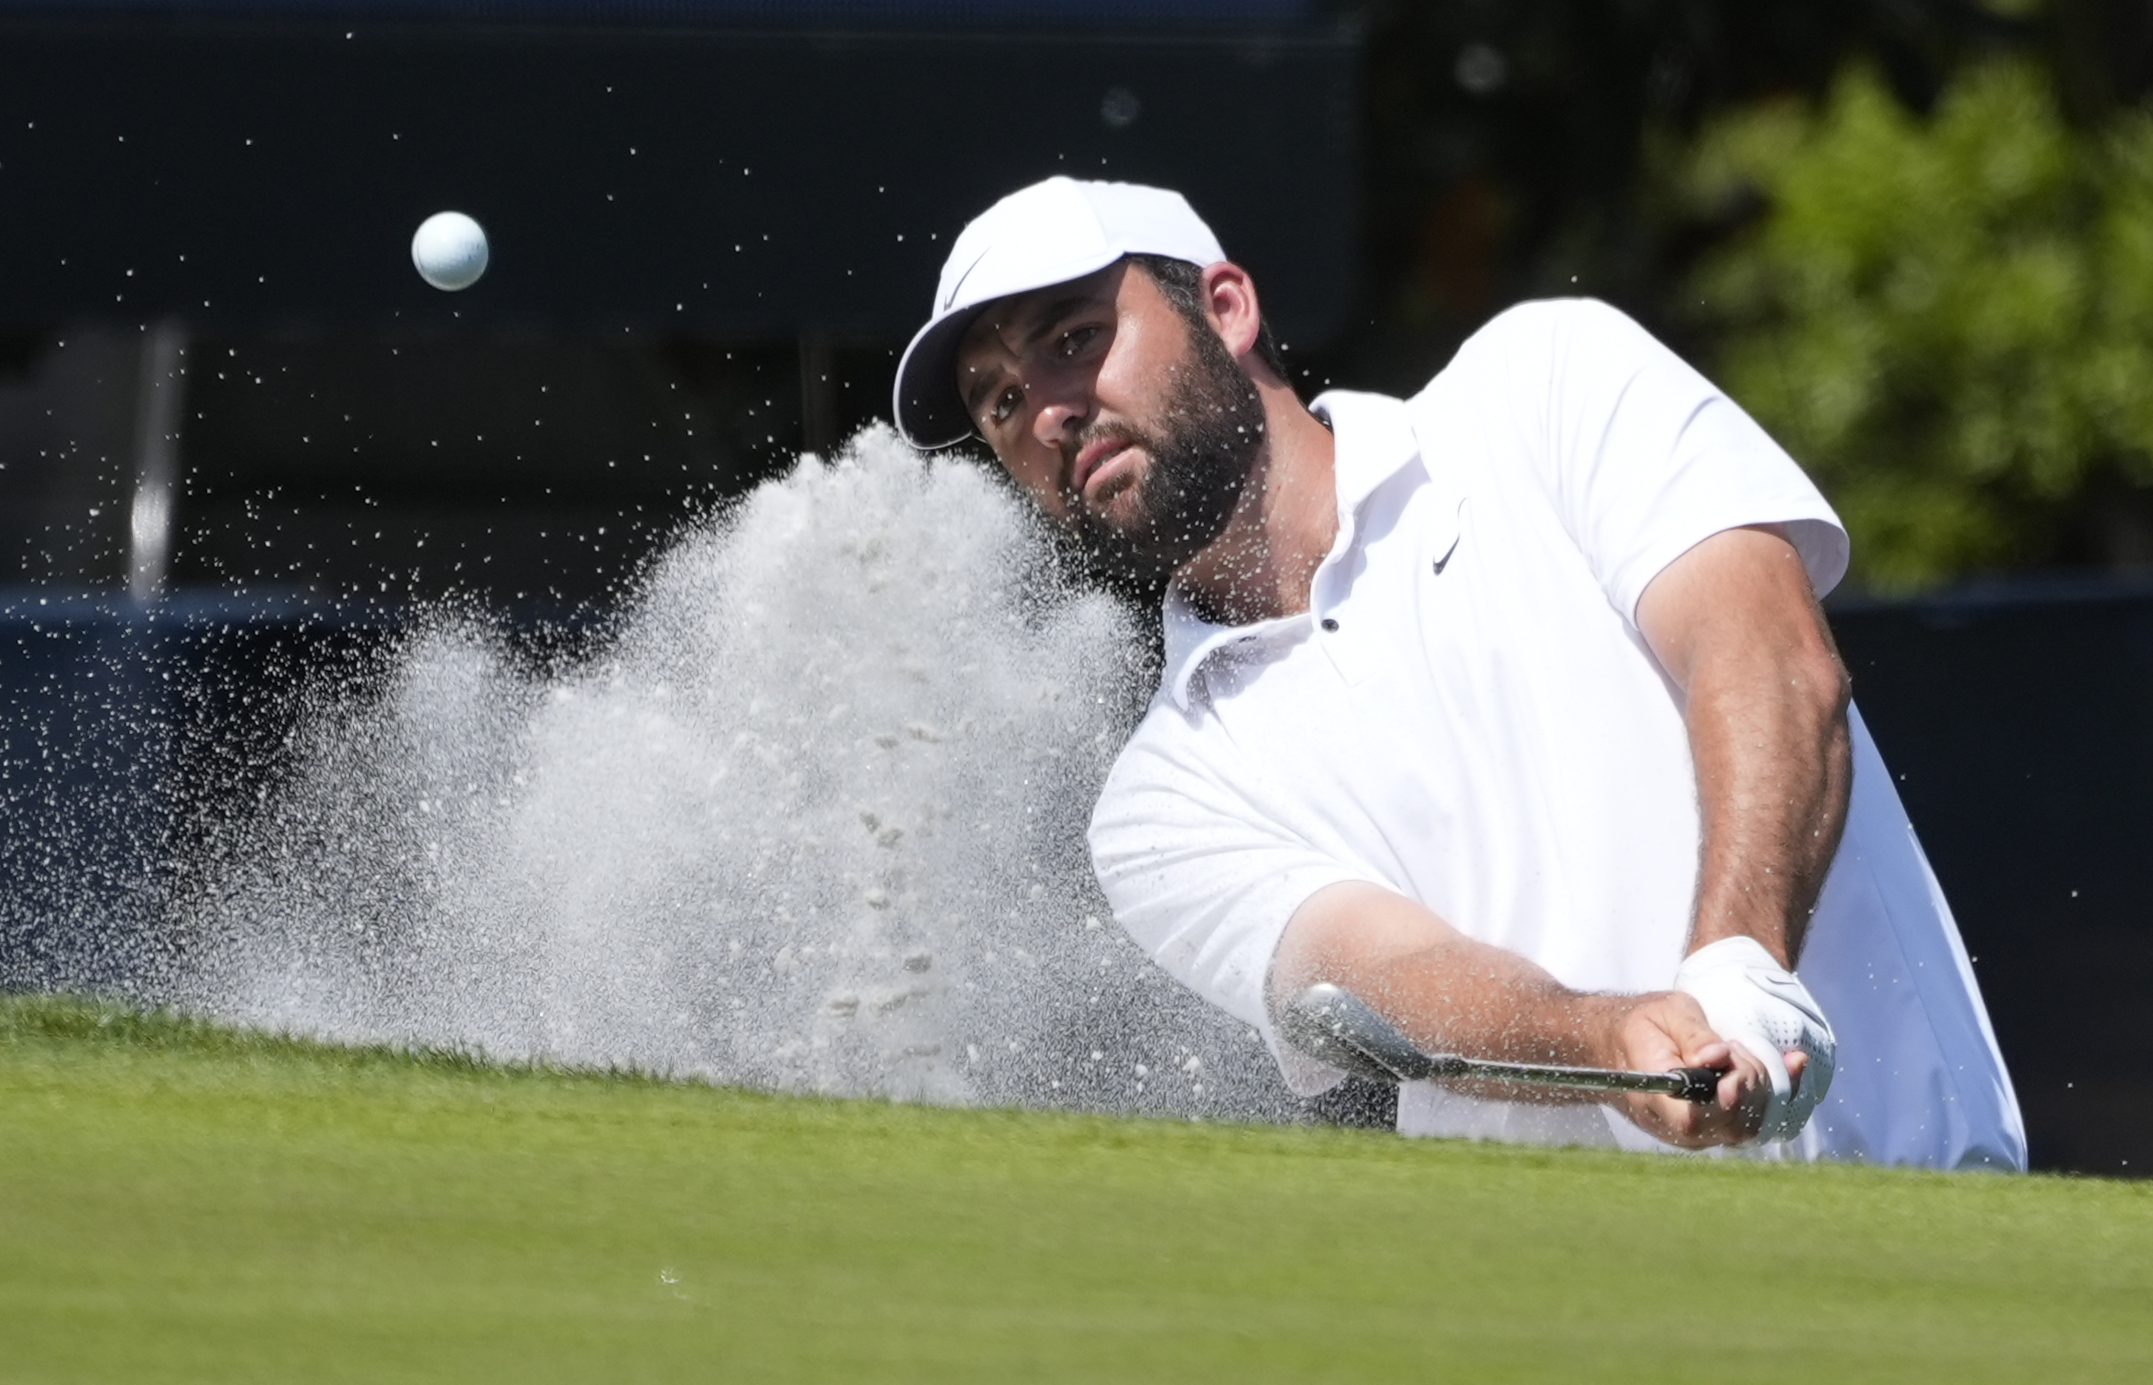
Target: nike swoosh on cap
(1444, 561)
(954, 288)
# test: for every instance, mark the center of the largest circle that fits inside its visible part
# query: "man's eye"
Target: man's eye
(1005, 404)
(1076, 339)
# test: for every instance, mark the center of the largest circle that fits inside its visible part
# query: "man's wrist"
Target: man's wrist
(1603, 1019)
(1771, 935)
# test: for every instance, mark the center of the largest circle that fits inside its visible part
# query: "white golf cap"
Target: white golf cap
(1048, 233)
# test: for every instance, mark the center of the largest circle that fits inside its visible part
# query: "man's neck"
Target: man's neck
(1282, 528)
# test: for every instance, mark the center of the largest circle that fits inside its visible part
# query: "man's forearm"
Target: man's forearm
(1448, 992)
(1774, 771)
(1734, 623)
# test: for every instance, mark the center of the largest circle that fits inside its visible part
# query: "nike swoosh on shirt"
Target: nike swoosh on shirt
(1444, 561)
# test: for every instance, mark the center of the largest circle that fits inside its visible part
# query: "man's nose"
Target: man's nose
(1058, 416)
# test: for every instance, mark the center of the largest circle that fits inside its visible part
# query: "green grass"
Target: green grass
(184, 1202)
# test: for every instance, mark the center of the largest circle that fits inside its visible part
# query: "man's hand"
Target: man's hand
(1760, 1006)
(1668, 1030)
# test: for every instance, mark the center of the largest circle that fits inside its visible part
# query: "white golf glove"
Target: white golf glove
(1753, 1001)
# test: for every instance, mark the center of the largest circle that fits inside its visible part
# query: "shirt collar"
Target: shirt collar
(1375, 442)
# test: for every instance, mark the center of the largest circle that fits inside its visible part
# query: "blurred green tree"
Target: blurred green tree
(1948, 318)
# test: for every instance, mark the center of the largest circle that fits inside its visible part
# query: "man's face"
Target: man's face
(1119, 418)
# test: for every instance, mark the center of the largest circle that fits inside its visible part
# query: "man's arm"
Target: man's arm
(1451, 993)
(1735, 625)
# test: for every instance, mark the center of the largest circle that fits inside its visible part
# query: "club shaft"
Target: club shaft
(1331, 1023)
(1588, 1079)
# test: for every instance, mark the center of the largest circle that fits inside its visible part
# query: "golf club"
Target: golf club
(1337, 1026)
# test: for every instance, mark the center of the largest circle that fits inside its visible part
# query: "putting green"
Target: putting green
(181, 1202)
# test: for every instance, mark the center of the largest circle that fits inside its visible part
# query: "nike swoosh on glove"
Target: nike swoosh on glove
(1752, 1000)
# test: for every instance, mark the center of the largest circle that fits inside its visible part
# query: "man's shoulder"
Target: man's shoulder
(1165, 756)
(1536, 356)
(1545, 316)
(1542, 330)
(1177, 740)
(1165, 731)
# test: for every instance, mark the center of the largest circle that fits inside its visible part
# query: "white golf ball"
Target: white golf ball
(449, 250)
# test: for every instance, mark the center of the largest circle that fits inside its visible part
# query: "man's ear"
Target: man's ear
(1230, 303)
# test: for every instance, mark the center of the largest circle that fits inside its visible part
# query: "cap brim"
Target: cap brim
(929, 411)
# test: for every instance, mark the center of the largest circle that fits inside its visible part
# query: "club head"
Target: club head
(1332, 1024)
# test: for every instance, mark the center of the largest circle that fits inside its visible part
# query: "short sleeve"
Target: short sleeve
(1206, 883)
(1641, 456)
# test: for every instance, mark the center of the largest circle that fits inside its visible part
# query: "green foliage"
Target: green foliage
(1948, 319)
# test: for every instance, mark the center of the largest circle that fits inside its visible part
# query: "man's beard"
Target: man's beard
(1200, 461)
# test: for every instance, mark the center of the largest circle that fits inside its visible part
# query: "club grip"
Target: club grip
(1700, 1085)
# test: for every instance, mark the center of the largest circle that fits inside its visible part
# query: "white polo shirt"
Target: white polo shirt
(1467, 715)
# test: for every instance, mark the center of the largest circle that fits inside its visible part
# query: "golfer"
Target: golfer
(1508, 707)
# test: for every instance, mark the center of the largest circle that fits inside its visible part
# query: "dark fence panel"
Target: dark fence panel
(129, 736)
(2019, 722)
